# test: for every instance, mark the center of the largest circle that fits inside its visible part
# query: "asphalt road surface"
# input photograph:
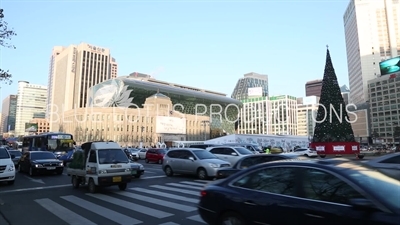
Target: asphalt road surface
(153, 199)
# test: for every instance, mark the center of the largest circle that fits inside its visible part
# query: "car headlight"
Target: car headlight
(38, 165)
(102, 171)
(213, 165)
(128, 169)
(60, 164)
(141, 167)
(11, 167)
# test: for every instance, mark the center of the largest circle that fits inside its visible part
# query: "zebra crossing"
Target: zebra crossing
(161, 204)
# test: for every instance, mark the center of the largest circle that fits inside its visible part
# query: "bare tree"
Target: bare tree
(5, 35)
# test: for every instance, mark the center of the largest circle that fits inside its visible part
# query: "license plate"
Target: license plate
(51, 168)
(134, 172)
(117, 179)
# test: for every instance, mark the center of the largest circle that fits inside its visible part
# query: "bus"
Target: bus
(58, 143)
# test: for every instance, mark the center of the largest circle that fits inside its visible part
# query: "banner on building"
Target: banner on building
(31, 127)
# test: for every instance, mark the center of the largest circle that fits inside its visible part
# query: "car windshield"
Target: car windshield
(4, 153)
(42, 155)
(133, 150)
(15, 153)
(109, 156)
(374, 181)
(243, 151)
(201, 154)
(161, 151)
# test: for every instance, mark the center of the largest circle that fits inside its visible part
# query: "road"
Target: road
(153, 199)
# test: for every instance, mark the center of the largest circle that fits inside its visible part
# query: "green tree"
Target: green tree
(330, 127)
(6, 34)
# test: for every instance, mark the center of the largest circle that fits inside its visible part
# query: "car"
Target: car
(202, 146)
(251, 160)
(132, 153)
(155, 155)
(387, 164)
(137, 169)
(309, 152)
(230, 154)
(330, 192)
(7, 167)
(251, 147)
(142, 153)
(17, 155)
(194, 161)
(36, 162)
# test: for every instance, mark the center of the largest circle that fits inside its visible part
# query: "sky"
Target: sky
(204, 44)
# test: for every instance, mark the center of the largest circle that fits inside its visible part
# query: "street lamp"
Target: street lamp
(205, 123)
(141, 134)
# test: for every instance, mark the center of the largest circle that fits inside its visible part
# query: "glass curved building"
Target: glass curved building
(131, 91)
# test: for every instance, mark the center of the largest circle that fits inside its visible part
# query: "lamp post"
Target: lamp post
(205, 123)
(141, 137)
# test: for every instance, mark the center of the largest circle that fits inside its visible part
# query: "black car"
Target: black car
(296, 192)
(17, 155)
(252, 160)
(35, 162)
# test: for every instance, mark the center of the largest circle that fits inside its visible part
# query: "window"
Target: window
(393, 160)
(217, 150)
(243, 151)
(323, 186)
(251, 161)
(4, 154)
(273, 180)
(92, 157)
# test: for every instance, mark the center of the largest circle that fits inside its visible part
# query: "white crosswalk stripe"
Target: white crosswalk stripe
(162, 201)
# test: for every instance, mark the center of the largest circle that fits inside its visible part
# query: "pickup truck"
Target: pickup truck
(100, 164)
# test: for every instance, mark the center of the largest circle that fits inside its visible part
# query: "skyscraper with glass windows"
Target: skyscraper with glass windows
(247, 86)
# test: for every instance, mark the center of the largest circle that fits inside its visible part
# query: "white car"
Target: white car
(7, 168)
(387, 164)
(229, 154)
(142, 153)
(309, 152)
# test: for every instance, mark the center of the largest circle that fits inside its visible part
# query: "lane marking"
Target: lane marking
(153, 177)
(35, 188)
(196, 218)
(63, 213)
(102, 211)
(165, 195)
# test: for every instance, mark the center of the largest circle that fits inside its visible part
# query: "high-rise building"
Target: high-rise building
(31, 100)
(9, 109)
(76, 69)
(372, 32)
(313, 88)
(307, 109)
(255, 116)
(345, 94)
(56, 51)
(283, 115)
(251, 85)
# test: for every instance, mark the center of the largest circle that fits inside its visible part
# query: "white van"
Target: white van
(7, 168)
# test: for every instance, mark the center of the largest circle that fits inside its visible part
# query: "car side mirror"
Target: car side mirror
(362, 204)
(12, 156)
(191, 158)
(234, 154)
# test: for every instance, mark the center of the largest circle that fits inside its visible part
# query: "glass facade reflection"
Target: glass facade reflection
(132, 92)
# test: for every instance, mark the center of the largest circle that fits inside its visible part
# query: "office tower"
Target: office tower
(76, 69)
(307, 109)
(283, 119)
(9, 109)
(31, 100)
(56, 51)
(251, 85)
(313, 88)
(372, 33)
(345, 94)
(255, 116)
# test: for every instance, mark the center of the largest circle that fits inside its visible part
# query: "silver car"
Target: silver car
(387, 164)
(192, 161)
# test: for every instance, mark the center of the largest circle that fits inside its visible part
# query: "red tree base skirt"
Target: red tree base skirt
(336, 148)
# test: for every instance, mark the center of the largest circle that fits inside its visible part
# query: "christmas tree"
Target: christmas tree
(330, 127)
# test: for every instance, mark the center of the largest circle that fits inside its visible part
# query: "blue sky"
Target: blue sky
(203, 44)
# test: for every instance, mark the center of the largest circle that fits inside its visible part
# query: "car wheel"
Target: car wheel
(11, 182)
(92, 186)
(75, 182)
(202, 174)
(122, 186)
(146, 160)
(160, 161)
(231, 218)
(31, 172)
(168, 171)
